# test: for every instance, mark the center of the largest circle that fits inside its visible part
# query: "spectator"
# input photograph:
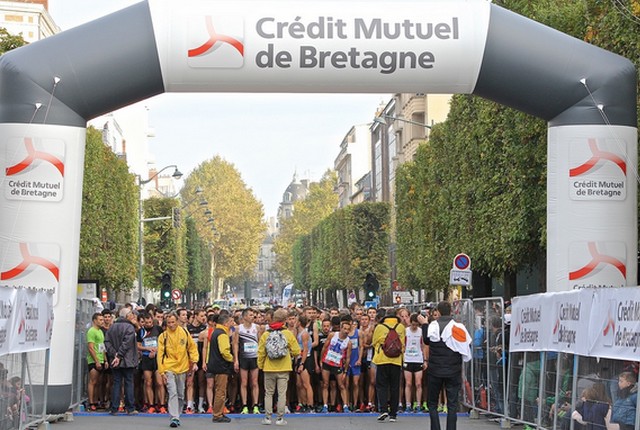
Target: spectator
(122, 350)
(448, 344)
(624, 409)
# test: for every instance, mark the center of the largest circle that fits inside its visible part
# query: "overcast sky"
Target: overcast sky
(266, 136)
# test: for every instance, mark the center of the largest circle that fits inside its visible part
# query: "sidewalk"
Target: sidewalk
(351, 421)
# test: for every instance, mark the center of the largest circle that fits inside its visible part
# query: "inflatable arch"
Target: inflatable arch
(48, 91)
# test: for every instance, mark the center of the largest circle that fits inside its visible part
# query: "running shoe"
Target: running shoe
(244, 411)
(383, 416)
(174, 422)
(189, 411)
(324, 410)
(281, 422)
(162, 410)
(256, 410)
(266, 421)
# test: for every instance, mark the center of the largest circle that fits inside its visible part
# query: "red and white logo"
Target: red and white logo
(30, 265)
(35, 169)
(597, 264)
(216, 43)
(597, 170)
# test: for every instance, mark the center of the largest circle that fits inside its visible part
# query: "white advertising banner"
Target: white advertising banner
(7, 311)
(528, 317)
(32, 322)
(591, 184)
(568, 330)
(595, 322)
(320, 46)
(615, 328)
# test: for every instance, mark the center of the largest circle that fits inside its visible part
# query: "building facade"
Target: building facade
(297, 190)
(353, 162)
(30, 19)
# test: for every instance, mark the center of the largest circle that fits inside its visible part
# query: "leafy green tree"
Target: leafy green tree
(238, 228)
(165, 247)
(108, 234)
(9, 41)
(319, 203)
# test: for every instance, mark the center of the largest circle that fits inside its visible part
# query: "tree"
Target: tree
(319, 203)
(9, 41)
(164, 245)
(238, 227)
(108, 233)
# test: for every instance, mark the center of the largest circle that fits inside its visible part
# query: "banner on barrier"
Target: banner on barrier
(26, 320)
(601, 322)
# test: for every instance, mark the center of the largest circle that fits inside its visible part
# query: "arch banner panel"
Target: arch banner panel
(293, 46)
(591, 201)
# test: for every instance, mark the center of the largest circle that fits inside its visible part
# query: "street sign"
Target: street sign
(371, 304)
(460, 277)
(400, 297)
(176, 294)
(462, 262)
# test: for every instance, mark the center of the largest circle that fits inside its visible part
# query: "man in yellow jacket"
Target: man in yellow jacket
(276, 370)
(177, 355)
(388, 369)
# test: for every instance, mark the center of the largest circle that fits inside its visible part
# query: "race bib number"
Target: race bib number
(370, 354)
(412, 351)
(101, 348)
(250, 348)
(334, 357)
(354, 343)
(150, 342)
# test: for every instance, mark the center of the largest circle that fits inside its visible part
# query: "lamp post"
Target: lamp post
(141, 183)
(381, 120)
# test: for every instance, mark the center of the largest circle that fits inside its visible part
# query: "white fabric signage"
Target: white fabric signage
(595, 322)
(527, 316)
(615, 328)
(591, 183)
(26, 320)
(43, 172)
(320, 46)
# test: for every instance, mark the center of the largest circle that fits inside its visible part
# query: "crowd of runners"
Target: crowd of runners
(314, 386)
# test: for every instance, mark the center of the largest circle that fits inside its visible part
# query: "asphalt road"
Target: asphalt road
(103, 421)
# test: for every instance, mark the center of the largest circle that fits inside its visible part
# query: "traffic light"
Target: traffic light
(165, 289)
(371, 287)
(176, 216)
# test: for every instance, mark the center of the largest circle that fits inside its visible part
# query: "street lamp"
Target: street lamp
(176, 175)
(381, 120)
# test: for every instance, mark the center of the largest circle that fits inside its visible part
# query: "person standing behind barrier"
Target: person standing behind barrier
(624, 408)
(122, 350)
(95, 359)
(388, 364)
(220, 365)
(448, 344)
(177, 355)
(276, 370)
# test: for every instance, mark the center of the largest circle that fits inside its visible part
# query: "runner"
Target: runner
(147, 338)
(336, 355)
(245, 353)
